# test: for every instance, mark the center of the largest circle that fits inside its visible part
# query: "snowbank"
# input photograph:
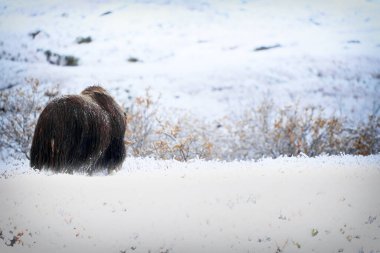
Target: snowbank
(323, 204)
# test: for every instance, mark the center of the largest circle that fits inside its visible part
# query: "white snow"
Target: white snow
(200, 56)
(323, 204)
(197, 53)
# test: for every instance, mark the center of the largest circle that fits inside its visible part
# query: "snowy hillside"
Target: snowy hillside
(324, 204)
(223, 54)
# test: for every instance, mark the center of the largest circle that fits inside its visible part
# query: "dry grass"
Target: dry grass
(262, 131)
(151, 134)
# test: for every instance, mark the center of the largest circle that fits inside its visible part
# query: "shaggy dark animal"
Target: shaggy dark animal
(80, 133)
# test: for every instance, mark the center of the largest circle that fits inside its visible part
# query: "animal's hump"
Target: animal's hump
(94, 89)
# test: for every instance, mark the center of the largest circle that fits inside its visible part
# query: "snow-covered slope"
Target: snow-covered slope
(202, 52)
(323, 204)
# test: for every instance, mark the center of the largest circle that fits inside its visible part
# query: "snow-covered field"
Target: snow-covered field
(197, 53)
(211, 58)
(324, 204)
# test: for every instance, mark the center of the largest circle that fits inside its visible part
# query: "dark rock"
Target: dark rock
(82, 40)
(106, 13)
(133, 59)
(61, 60)
(34, 34)
(267, 47)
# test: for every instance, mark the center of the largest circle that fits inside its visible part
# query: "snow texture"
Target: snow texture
(299, 204)
(226, 55)
(212, 58)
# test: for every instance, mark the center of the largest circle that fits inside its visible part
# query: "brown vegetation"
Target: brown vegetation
(261, 131)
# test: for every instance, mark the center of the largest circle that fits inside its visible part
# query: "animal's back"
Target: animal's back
(68, 134)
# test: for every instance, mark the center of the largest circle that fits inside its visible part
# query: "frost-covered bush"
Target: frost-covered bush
(141, 122)
(149, 133)
(270, 132)
(365, 138)
(262, 131)
(19, 111)
(183, 139)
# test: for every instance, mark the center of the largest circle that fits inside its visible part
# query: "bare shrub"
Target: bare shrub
(182, 140)
(151, 134)
(141, 121)
(245, 136)
(268, 132)
(19, 111)
(365, 138)
(261, 131)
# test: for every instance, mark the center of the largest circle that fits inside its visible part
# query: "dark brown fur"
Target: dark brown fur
(80, 133)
